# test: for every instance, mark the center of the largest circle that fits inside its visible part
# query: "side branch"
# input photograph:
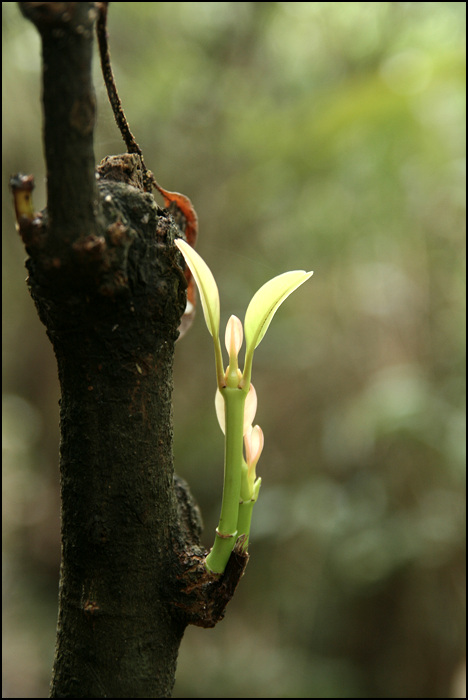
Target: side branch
(205, 596)
(202, 597)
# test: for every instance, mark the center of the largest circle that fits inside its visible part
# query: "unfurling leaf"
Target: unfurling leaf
(266, 301)
(206, 285)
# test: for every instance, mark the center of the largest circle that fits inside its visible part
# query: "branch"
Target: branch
(66, 29)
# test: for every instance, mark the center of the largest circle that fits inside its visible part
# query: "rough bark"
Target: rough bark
(108, 285)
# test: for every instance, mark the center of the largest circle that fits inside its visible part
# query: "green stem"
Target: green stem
(244, 520)
(226, 532)
(247, 372)
(218, 362)
(245, 511)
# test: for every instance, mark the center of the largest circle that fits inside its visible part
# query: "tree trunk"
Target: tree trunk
(119, 518)
(106, 279)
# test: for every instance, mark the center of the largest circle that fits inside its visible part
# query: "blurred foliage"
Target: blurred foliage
(325, 136)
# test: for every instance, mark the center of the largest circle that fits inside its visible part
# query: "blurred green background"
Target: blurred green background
(325, 136)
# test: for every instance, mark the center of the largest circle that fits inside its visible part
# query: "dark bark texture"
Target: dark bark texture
(109, 286)
(114, 346)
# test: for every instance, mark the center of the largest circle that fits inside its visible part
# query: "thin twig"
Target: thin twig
(114, 99)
